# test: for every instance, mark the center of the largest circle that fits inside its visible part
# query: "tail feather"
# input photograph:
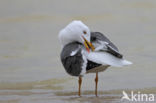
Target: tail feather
(125, 62)
(107, 59)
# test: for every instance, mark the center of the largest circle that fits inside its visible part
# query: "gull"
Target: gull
(86, 52)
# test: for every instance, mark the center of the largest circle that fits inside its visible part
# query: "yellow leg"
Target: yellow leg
(96, 83)
(80, 82)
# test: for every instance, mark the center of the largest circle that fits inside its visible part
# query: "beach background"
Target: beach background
(30, 66)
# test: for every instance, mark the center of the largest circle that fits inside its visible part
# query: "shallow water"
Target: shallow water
(30, 67)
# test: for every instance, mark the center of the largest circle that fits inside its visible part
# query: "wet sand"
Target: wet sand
(49, 96)
(30, 66)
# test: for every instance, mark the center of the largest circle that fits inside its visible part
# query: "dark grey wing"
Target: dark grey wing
(91, 65)
(98, 39)
(71, 59)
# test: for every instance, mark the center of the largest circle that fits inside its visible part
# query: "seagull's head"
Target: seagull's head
(76, 31)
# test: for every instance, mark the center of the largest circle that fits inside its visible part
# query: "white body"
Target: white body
(107, 59)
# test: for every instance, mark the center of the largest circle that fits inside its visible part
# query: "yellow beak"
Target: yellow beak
(88, 45)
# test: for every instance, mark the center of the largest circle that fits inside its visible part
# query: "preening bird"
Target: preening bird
(85, 52)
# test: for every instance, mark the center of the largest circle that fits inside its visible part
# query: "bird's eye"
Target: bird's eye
(84, 32)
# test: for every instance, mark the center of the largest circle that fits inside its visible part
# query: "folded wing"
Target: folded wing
(106, 52)
(102, 43)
